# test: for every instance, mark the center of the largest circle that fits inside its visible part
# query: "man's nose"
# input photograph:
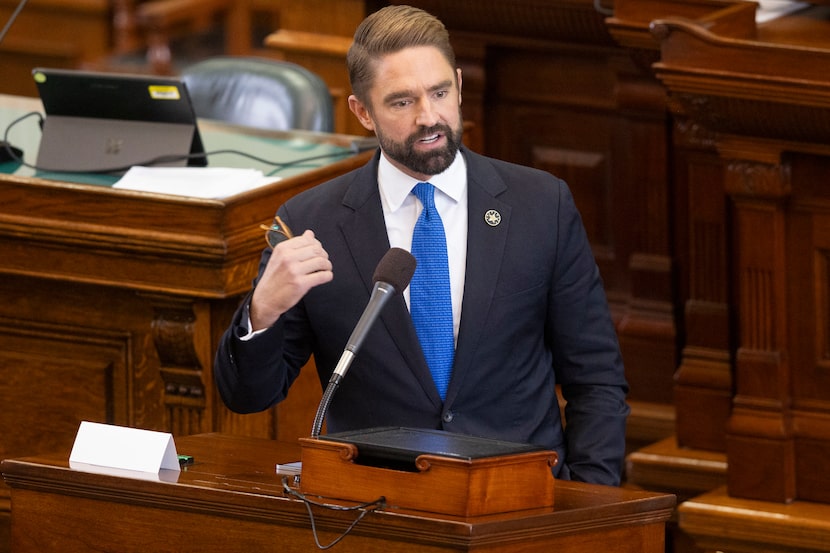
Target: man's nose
(427, 115)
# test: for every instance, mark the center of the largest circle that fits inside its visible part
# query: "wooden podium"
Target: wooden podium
(462, 485)
(231, 499)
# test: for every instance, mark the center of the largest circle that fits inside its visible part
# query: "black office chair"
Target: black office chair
(260, 92)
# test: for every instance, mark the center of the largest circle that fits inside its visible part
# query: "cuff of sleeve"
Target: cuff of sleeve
(243, 327)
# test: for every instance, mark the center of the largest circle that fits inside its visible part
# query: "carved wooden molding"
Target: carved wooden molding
(734, 85)
(759, 180)
(175, 332)
(690, 133)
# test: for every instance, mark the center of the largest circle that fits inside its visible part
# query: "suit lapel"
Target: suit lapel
(364, 229)
(485, 253)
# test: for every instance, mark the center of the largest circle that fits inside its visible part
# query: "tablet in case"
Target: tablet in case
(108, 122)
(400, 446)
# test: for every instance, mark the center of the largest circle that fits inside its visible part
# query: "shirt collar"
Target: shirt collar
(395, 185)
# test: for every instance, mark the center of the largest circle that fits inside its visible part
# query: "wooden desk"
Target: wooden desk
(113, 301)
(317, 34)
(666, 467)
(232, 500)
(722, 523)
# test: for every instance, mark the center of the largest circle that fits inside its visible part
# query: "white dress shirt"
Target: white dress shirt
(401, 209)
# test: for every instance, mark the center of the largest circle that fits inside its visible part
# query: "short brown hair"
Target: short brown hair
(389, 30)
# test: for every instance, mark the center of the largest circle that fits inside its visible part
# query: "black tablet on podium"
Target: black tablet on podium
(108, 122)
(399, 447)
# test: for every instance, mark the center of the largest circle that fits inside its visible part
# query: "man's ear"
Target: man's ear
(458, 73)
(361, 112)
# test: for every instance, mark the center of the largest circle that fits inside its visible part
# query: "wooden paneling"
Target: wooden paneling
(703, 382)
(55, 374)
(808, 244)
(751, 159)
(771, 127)
(325, 55)
(51, 33)
(317, 34)
(700, 243)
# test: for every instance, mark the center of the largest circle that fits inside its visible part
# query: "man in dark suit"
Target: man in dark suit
(528, 310)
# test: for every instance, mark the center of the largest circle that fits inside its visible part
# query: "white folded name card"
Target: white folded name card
(119, 447)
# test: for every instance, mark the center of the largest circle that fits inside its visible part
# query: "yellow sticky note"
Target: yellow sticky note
(164, 92)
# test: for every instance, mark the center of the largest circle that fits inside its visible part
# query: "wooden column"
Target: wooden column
(642, 193)
(760, 445)
(702, 391)
(703, 384)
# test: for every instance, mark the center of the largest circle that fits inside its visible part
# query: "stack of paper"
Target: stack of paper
(196, 182)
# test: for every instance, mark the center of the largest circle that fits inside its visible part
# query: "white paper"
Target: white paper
(163, 475)
(773, 9)
(120, 447)
(196, 182)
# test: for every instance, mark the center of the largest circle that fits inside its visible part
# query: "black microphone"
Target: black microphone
(7, 151)
(391, 277)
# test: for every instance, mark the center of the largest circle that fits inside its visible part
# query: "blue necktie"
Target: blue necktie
(429, 291)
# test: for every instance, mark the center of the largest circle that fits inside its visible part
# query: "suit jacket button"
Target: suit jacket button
(448, 416)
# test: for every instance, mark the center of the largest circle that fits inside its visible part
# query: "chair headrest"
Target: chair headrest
(260, 92)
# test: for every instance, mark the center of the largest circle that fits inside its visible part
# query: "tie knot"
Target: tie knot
(426, 193)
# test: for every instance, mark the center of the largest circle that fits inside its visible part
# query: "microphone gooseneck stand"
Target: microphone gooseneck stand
(392, 275)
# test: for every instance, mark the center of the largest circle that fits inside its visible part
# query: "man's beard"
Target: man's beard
(424, 163)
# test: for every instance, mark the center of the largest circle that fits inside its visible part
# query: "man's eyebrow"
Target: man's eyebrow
(392, 96)
(442, 85)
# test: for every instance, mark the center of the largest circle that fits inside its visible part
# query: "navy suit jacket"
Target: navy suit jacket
(534, 316)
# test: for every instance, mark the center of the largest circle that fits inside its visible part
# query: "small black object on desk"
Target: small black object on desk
(9, 152)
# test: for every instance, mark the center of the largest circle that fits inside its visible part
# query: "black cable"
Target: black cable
(364, 509)
(278, 165)
(323, 407)
(13, 154)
